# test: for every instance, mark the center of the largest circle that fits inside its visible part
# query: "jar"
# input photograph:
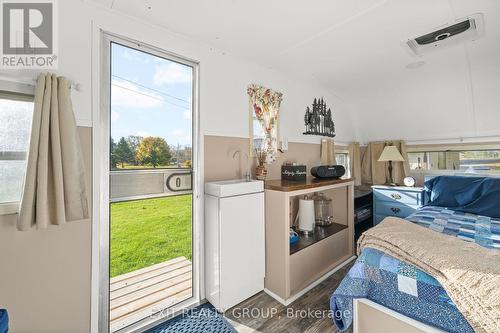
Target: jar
(323, 210)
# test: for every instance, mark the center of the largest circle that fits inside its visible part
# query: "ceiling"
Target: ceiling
(352, 47)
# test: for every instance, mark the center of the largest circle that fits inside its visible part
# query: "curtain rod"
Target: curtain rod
(73, 85)
(10, 83)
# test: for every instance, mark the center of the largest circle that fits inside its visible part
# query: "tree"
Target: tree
(133, 141)
(112, 147)
(123, 154)
(153, 151)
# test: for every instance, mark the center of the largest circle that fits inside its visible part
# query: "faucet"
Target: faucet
(247, 174)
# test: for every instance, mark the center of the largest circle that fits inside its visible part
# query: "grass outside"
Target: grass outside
(147, 232)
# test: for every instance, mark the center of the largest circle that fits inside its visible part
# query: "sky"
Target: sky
(150, 96)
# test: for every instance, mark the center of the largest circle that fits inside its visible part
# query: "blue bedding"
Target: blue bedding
(474, 195)
(397, 286)
(482, 230)
(4, 321)
(405, 288)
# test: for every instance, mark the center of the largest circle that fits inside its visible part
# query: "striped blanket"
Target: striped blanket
(483, 230)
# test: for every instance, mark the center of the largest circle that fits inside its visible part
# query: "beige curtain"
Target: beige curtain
(328, 152)
(355, 161)
(54, 189)
(375, 172)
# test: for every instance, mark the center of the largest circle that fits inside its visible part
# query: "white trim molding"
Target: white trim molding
(102, 39)
(9, 208)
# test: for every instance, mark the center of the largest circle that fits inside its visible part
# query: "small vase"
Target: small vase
(260, 172)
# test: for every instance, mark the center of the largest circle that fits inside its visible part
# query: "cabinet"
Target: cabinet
(293, 270)
(363, 210)
(234, 243)
(398, 201)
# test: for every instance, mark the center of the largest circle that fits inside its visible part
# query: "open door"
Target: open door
(151, 131)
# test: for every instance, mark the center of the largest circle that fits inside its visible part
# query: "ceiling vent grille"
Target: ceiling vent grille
(464, 30)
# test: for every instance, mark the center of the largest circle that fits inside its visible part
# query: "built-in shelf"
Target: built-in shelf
(292, 269)
(319, 234)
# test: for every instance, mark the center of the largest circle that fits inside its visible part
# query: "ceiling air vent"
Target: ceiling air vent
(464, 30)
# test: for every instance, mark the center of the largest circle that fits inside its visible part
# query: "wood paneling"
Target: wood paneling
(138, 294)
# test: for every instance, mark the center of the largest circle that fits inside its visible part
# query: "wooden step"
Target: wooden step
(149, 300)
(149, 282)
(146, 269)
(148, 311)
(148, 275)
(137, 295)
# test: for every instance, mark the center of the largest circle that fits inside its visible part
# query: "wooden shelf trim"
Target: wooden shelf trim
(310, 183)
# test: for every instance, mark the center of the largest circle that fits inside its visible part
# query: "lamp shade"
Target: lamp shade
(391, 153)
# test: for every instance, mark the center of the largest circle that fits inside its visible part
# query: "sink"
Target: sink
(233, 187)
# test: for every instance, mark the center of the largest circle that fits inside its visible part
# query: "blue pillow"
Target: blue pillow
(453, 191)
(475, 195)
(4, 321)
(488, 202)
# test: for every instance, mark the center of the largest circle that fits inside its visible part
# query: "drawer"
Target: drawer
(397, 209)
(405, 197)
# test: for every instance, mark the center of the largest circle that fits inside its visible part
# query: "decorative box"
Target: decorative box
(293, 172)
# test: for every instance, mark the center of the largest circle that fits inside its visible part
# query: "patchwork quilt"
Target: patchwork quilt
(405, 288)
(483, 230)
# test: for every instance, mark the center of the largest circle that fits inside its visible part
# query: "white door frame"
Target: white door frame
(100, 182)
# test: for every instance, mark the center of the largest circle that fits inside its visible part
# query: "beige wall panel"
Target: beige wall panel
(220, 164)
(45, 274)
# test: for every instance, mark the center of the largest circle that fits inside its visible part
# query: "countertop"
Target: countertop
(288, 186)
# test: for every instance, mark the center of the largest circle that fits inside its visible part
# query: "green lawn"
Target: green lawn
(147, 232)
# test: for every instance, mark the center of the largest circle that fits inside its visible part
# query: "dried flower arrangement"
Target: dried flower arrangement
(261, 155)
(260, 170)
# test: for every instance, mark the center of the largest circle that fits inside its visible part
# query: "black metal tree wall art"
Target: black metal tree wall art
(319, 121)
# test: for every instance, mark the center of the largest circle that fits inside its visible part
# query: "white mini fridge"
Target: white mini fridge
(234, 241)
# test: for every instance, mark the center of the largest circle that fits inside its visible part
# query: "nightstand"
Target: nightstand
(399, 201)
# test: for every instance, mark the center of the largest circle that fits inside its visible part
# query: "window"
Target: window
(151, 111)
(16, 111)
(473, 160)
(342, 158)
(257, 134)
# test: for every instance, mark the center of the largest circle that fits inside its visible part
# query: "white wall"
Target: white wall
(223, 78)
(454, 95)
(452, 99)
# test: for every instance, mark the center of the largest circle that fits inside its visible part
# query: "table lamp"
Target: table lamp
(391, 154)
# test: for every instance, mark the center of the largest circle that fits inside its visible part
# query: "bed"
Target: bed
(458, 208)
